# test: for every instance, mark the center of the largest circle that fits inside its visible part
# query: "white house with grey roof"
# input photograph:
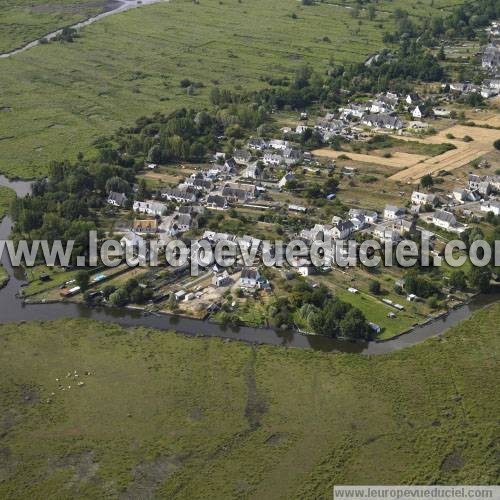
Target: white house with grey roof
(286, 179)
(181, 195)
(444, 219)
(418, 198)
(342, 230)
(391, 212)
(117, 199)
(253, 171)
(257, 144)
(250, 277)
(279, 144)
(369, 216)
(479, 184)
(134, 245)
(383, 121)
(271, 158)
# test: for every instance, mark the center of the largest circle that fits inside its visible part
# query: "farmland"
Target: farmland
(165, 415)
(411, 167)
(465, 152)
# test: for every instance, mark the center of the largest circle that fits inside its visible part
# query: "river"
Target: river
(13, 309)
(116, 7)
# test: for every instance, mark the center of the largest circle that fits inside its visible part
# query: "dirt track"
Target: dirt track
(413, 167)
(398, 160)
(456, 158)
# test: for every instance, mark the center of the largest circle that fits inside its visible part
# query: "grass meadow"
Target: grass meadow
(6, 197)
(56, 98)
(23, 21)
(163, 415)
(4, 277)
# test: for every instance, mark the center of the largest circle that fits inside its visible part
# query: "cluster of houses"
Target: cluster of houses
(394, 224)
(479, 194)
(490, 62)
(489, 88)
(273, 153)
(381, 113)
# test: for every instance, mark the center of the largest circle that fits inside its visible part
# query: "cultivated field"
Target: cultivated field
(163, 416)
(412, 167)
(397, 160)
(465, 153)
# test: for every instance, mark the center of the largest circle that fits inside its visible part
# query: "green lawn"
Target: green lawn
(57, 275)
(61, 96)
(170, 416)
(6, 197)
(371, 305)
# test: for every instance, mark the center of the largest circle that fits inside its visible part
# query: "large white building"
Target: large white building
(150, 207)
(491, 206)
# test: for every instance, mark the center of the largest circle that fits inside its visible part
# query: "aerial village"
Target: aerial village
(389, 167)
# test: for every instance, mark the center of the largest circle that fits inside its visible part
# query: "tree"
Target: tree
(375, 287)
(136, 296)
(458, 280)
(354, 325)
(427, 181)
(419, 285)
(480, 278)
(497, 144)
(108, 290)
(143, 191)
(119, 298)
(87, 297)
(154, 154)
(117, 184)
(82, 280)
(433, 302)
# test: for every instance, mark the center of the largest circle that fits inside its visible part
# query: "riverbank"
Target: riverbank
(48, 292)
(13, 310)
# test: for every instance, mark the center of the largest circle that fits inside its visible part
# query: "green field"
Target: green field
(4, 277)
(6, 197)
(23, 21)
(166, 415)
(58, 97)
